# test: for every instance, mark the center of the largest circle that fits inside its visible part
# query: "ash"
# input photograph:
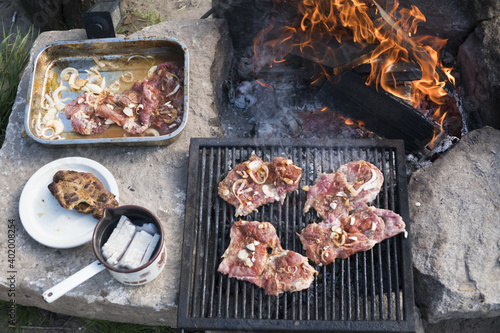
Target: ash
(278, 102)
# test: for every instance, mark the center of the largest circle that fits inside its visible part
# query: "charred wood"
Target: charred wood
(399, 71)
(382, 114)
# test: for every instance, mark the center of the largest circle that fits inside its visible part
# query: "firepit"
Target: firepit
(359, 62)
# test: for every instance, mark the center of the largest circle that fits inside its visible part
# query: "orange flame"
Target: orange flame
(440, 121)
(265, 85)
(352, 122)
(389, 34)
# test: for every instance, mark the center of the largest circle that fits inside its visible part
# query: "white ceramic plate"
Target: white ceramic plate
(42, 216)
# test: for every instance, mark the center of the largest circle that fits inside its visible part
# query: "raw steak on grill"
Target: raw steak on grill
(254, 183)
(287, 271)
(349, 225)
(359, 231)
(246, 256)
(353, 185)
(255, 255)
(328, 196)
(364, 181)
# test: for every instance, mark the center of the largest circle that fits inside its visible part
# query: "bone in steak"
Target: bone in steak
(349, 225)
(255, 255)
(155, 102)
(81, 191)
(254, 183)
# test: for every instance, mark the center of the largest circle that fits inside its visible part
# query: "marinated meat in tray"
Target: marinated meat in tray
(349, 225)
(254, 183)
(255, 255)
(154, 104)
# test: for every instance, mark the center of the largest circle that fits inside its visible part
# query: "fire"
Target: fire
(383, 37)
(265, 85)
(352, 122)
(436, 115)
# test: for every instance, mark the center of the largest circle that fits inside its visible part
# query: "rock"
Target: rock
(454, 210)
(452, 20)
(475, 325)
(57, 14)
(245, 18)
(154, 177)
(479, 59)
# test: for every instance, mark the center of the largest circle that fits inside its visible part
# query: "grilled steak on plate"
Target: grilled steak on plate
(81, 191)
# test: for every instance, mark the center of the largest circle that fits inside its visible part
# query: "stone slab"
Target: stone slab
(154, 177)
(455, 211)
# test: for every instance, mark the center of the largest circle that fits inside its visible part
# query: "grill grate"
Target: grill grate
(370, 291)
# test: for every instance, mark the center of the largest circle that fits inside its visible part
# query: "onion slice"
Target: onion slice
(151, 71)
(174, 91)
(260, 175)
(75, 82)
(127, 77)
(151, 132)
(67, 72)
(57, 100)
(98, 62)
(93, 76)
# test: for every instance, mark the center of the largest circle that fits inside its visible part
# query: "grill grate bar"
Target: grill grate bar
(369, 291)
(200, 205)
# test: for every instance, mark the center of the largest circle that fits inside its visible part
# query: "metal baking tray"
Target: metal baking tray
(116, 53)
(371, 291)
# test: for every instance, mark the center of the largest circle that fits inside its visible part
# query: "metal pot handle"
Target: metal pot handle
(71, 282)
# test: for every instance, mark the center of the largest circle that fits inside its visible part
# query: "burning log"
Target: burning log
(400, 71)
(345, 56)
(335, 54)
(382, 114)
(417, 53)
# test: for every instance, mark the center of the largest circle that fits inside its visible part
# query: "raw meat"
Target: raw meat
(359, 231)
(254, 183)
(364, 181)
(328, 196)
(348, 224)
(156, 102)
(255, 255)
(352, 186)
(287, 271)
(246, 256)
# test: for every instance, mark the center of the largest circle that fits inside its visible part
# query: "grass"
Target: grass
(32, 319)
(14, 56)
(136, 20)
